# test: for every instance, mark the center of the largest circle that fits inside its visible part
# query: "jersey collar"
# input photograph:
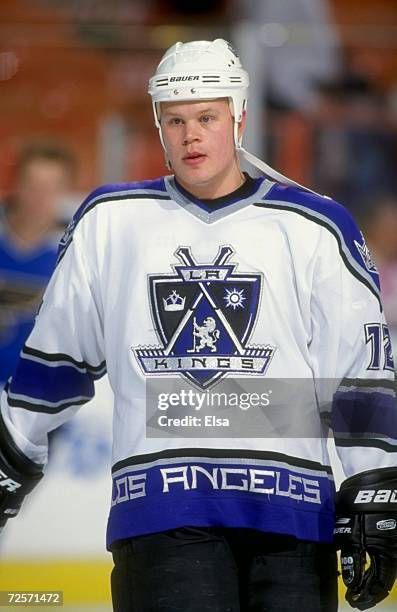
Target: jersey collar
(209, 211)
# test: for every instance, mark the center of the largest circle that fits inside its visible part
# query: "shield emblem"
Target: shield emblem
(204, 315)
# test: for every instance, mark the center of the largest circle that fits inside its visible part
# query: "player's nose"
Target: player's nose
(192, 132)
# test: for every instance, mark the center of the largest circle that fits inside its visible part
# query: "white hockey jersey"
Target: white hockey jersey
(177, 298)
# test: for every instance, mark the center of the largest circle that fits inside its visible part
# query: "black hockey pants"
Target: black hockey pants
(222, 570)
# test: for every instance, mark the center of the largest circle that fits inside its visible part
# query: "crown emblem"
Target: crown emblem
(174, 302)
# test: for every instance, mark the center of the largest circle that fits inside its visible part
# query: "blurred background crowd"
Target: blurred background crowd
(74, 113)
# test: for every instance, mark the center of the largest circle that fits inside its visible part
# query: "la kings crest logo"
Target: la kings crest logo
(204, 315)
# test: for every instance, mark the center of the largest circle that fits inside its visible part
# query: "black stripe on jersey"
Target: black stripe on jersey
(345, 260)
(208, 453)
(17, 403)
(368, 383)
(101, 200)
(54, 357)
(367, 443)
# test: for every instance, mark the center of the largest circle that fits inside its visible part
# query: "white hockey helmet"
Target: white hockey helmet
(207, 70)
(201, 70)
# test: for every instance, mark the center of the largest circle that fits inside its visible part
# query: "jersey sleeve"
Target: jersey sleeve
(64, 353)
(352, 352)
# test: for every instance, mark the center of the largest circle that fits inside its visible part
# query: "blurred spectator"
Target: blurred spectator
(357, 140)
(29, 232)
(300, 46)
(378, 219)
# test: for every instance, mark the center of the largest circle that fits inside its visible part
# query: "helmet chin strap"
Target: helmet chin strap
(261, 165)
(269, 171)
(166, 158)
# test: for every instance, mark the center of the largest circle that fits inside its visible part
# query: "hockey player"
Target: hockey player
(202, 277)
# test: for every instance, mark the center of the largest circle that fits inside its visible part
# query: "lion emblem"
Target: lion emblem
(205, 335)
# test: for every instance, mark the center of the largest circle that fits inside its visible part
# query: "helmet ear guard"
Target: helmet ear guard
(207, 70)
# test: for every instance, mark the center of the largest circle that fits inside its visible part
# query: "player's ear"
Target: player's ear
(242, 124)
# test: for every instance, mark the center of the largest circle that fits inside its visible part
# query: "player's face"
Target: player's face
(198, 137)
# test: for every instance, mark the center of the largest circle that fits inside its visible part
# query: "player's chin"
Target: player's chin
(195, 171)
(194, 175)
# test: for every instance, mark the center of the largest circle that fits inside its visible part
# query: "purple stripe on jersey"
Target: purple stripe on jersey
(37, 381)
(365, 413)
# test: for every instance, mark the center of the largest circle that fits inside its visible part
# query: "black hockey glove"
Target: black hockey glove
(366, 525)
(18, 476)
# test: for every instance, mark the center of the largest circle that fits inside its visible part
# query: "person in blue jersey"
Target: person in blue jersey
(30, 228)
(202, 285)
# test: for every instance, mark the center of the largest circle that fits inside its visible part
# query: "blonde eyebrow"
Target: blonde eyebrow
(170, 113)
